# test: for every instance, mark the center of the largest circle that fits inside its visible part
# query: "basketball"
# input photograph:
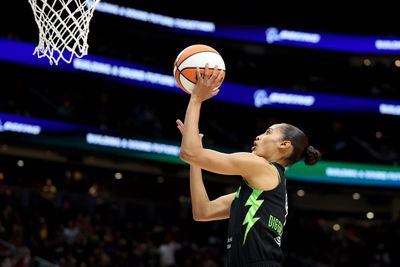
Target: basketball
(192, 57)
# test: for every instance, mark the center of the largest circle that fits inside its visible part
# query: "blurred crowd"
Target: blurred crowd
(82, 231)
(69, 229)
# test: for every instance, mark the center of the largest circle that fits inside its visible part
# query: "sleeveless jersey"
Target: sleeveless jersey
(256, 225)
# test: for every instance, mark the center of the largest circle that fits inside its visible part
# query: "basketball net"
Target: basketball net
(63, 28)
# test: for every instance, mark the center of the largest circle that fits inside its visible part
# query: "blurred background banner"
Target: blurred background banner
(270, 35)
(346, 173)
(149, 77)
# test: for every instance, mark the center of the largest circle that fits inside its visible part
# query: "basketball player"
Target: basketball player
(257, 210)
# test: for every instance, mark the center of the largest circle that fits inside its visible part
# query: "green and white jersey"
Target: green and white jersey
(256, 225)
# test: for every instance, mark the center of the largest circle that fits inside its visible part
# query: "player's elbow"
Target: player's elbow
(197, 218)
(183, 154)
(187, 155)
(200, 217)
(203, 214)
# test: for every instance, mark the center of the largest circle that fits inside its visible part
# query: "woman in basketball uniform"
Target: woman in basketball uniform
(257, 210)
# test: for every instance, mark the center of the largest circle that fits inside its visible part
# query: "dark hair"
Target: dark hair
(301, 148)
(311, 155)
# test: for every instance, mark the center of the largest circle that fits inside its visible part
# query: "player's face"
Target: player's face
(267, 143)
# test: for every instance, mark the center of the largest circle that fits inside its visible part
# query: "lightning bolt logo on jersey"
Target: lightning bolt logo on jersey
(254, 204)
(256, 225)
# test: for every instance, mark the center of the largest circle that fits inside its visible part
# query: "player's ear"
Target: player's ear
(285, 144)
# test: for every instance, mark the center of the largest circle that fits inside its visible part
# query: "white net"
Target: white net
(63, 28)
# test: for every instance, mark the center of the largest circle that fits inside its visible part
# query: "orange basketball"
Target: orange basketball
(192, 57)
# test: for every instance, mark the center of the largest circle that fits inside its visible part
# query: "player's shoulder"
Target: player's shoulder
(255, 160)
(265, 177)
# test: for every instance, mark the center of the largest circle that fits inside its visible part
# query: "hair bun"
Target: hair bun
(311, 155)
